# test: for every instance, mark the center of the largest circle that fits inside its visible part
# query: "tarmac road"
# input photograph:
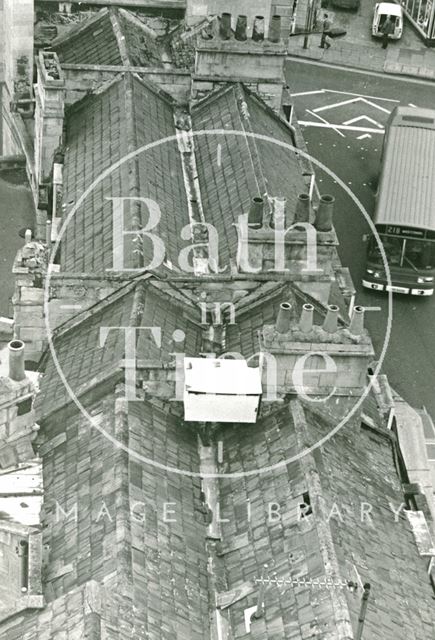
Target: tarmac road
(343, 113)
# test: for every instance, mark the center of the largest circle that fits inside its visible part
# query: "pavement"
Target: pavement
(407, 56)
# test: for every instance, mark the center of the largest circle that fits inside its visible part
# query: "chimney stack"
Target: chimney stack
(258, 29)
(241, 28)
(255, 217)
(275, 29)
(356, 327)
(306, 321)
(323, 221)
(225, 26)
(16, 360)
(303, 206)
(330, 324)
(284, 317)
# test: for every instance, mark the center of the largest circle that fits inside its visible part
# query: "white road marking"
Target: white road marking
(351, 101)
(326, 122)
(308, 93)
(359, 118)
(364, 135)
(360, 95)
(342, 127)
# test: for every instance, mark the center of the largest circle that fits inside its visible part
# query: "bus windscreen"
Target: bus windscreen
(404, 252)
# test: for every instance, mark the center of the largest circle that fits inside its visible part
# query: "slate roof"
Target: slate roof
(111, 37)
(85, 363)
(101, 130)
(128, 114)
(165, 566)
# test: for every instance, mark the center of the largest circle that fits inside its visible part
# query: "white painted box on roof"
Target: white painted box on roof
(221, 390)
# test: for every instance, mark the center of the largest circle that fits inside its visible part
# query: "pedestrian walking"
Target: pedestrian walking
(326, 28)
(387, 28)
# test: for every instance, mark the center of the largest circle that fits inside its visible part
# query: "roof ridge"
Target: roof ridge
(119, 35)
(78, 28)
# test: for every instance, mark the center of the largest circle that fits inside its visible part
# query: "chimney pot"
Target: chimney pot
(323, 221)
(284, 317)
(306, 321)
(241, 28)
(279, 209)
(255, 217)
(258, 30)
(356, 327)
(48, 233)
(225, 26)
(303, 207)
(275, 29)
(330, 324)
(27, 236)
(16, 360)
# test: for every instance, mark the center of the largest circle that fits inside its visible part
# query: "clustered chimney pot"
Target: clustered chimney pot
(255, 216)
(241, 28)
(356, 327)
(225, 26)
(325, 210)
(330, 324)
(284, 317)
(279, 210)
(306, 321)
(303, 207)
(258, 29)
(16, 360)
(275, 29)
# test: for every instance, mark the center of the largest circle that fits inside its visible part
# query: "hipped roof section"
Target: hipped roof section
(112, 37)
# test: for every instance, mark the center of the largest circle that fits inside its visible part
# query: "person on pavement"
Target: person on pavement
(387, 28)
(324, 42)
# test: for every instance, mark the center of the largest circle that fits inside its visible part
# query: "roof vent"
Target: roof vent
(255, 216)
(221, 390)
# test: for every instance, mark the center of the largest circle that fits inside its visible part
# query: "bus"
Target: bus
(405, 206)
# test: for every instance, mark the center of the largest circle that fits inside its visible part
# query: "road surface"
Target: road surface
(343, 114)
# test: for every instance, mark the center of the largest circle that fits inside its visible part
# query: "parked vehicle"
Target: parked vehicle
(384, 10)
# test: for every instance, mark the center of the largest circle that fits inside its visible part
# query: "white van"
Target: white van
(382, 11)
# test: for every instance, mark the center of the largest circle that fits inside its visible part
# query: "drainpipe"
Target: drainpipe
(363, 610)
(16, 360)
(23, 554)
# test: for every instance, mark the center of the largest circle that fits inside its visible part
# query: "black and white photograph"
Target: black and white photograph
(217, 320)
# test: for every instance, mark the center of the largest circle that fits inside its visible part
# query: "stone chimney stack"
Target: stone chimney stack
(318, 360)
(246, 47)
(49, 114)
(289, 244)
